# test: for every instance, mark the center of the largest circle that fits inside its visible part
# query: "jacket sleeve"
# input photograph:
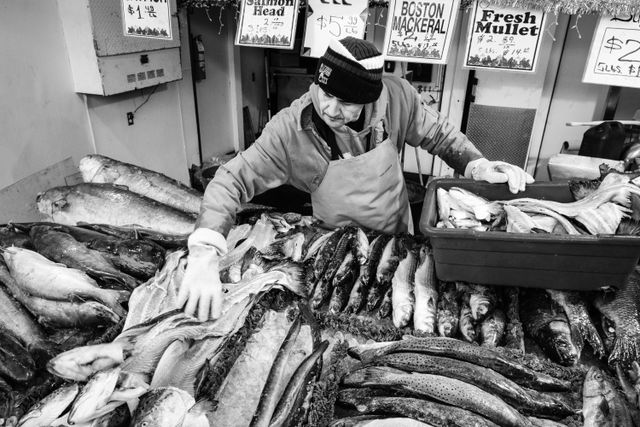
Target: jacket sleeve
(262, 166)
(433, 132)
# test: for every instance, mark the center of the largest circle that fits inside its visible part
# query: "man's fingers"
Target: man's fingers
(203, 307)
(183, 294)
(192, 303)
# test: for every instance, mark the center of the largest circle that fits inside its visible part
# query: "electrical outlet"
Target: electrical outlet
(130, 118)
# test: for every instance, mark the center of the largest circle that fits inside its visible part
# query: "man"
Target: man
(339, 142)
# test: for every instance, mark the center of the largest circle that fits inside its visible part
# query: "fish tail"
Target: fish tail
(626, 349)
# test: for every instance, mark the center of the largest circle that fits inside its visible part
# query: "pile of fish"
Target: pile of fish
(611, 205)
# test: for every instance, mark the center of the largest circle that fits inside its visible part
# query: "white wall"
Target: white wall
(44, 121)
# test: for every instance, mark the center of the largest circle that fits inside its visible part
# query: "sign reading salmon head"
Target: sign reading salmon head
(267, 23)
(504, 38)
(420, 31)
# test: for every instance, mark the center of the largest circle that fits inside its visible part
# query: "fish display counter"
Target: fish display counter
(344, 327)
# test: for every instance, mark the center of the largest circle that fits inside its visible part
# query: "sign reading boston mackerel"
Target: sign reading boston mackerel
(420, 31)
(504, 38)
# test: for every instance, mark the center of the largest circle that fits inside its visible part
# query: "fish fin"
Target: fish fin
(202, 406)
(409, 337)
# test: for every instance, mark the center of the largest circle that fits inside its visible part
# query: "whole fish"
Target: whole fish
(114, 205)
(402, 283)
(457, 349)
(43, 278)
(622, 307)
(12, 236)
(360, 289)
(441, 388)
(299, 381)
(514, 333)
(601, 403)
(527, 400)
(384, 273)
(482, 300)
(426, 293)
(17, 320)
(80, 363)
(324, 288)
(16, 364)
(467, 324)
(136, 257)
(269, 397)
(101, 169)
(51, 407)
(326, 251)
(434, 413)
(170, 407)
(343, 282)
(71, 314)
(94, 395)
(492, 329)
(61, 247)
(547, 323)
(448, 310)
(166, 240)
(315, 244)
(582, 328)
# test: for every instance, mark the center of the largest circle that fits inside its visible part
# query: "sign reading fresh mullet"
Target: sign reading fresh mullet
(614, 57)
(420, 31)
(267, 23)
(327, 19)
(504, 38)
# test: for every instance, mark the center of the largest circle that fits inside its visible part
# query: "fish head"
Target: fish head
(594, 382)
(162, 406)
(561, 345)
(51, 201)
(98, 169)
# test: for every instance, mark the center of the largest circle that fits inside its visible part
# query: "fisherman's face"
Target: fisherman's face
(335, 112)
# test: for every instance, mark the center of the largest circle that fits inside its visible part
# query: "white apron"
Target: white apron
(367, 190)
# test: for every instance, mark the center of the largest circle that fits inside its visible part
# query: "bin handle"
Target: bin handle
(598, 122)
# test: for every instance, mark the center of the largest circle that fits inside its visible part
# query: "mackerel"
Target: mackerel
(360, 290)
(456, 349)
(383, 274)
(343, 282)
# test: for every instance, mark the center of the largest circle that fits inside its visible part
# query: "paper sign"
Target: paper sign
(147, 18)
(337, 19)
(419, 31)
(504, 38)
(267, 23)
(614, 57)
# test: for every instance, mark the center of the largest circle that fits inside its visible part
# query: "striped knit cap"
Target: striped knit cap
(351, 69)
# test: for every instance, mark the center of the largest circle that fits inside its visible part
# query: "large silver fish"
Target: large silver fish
(602, 406)
(426, 293)
(402, 283)
(170, 407)
(101, 169)
(387, 265)
(94, 395)
(51, 407)
(113, 205)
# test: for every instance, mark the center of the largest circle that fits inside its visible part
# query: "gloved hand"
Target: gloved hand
(201, 288)
(498, 172)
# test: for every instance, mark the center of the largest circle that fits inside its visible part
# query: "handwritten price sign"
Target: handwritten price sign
(614, 57)
(267, 23)
(332, 19)
(149, 19)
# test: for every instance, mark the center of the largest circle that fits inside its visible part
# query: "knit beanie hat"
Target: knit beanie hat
(351, 69)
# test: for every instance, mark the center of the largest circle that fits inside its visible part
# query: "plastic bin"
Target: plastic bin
(531, 260)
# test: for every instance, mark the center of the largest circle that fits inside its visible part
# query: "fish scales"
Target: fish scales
(324, 287)
(467, 323)
(622, 308)
(384, 272)
(360, 290)
(448, 310)
(457, 349)
(426, 294)
(444, 389)
(101, 169)
(529, 401)
(343, 282)
(547, 323)
(402, 297)
(576, 310)
(110, 204)
(436, 414)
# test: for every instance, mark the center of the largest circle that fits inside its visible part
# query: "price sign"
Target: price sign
(504, 38)
(420, 31)
(614, 57)
(267, 23)
(146, 18)
(332, 19)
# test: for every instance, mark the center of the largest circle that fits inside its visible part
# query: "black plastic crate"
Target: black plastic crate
(531, 260)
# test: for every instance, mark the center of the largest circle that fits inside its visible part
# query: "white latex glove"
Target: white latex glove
(201, 290)
(498, 172)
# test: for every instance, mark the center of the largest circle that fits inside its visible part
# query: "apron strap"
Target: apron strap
(327, 134)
